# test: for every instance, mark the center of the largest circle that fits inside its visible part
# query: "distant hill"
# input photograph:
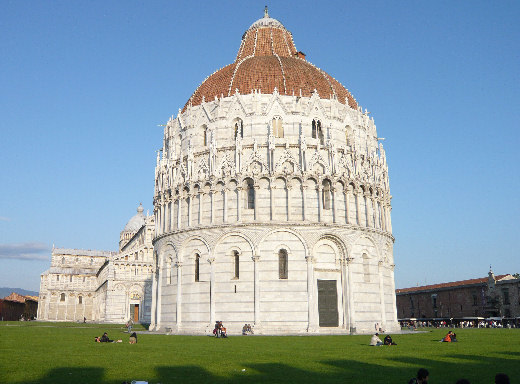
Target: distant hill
(4, 291)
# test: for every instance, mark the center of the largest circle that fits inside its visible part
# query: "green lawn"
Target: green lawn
(39, 352)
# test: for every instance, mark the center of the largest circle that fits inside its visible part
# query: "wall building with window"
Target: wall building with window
(272, 202)
(491, 296)
(99, 285)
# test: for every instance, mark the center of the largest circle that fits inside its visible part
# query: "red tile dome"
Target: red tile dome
(267, 59)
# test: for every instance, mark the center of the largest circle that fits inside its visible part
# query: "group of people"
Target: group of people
(247, 329)
(106, 339)
(219, 330)
(423, 377)
(376, 341)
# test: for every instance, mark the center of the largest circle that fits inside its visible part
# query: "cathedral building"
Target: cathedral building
(272, 202)
(102, 286)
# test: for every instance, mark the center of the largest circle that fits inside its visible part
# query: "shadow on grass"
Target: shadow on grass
(477, 369)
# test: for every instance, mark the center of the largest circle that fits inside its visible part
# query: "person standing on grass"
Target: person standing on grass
(422, 377)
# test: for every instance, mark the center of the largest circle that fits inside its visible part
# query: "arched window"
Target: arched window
(169, 271)
(239, 128)
(317, 132)
(80, 299)
(62, 297)
(283, 270)
(91, 260)
(250, 193)
(63, 260)
(366, 268)
(236, 259)
(325, 194)
(71, 278)
(57, 277)
(197, 267)
(277, 126)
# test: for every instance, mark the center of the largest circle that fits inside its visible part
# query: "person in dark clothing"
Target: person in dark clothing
(133, 338)
(422, 377)
(388, 340)
(105, 339)
(501, 378)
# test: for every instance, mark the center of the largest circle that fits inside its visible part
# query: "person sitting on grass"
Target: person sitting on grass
(133, 338)
(450, 336)
(422, 377)
(375, 341)
(105, 339)
(388, 340)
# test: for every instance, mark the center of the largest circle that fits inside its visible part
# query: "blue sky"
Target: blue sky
(84, 85)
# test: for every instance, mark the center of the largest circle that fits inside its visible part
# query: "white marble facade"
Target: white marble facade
(259, 199)
(102, 286)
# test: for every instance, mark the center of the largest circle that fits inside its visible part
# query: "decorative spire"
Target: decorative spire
(266, 14)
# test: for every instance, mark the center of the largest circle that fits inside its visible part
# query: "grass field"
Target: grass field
(39, 352)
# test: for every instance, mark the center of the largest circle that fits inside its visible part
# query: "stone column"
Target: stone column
(201, 194)
(212, 205)
(389, 210)
(178, 311)
(311, 297)
(394, 305)
(189, 198)
(346, 301)
(239, 203)
(154, 301)
(289, 203)
(179, 211)
(256, 261)
(350, 287)
(382, 293)
(303, 202)
(358, 208)
(156, 221)
(225, 205)
(333, 198)
(256, 202)
(368, 205)
(212, 291)
(319, 190)
(347, 205)
(159, 295)
(271, 192)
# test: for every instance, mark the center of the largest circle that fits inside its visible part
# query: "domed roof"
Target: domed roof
(268, 59)
(136, 222)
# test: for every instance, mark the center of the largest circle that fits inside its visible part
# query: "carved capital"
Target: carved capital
(349, 260)
(178, 264)
(211, 260)
(255, 258)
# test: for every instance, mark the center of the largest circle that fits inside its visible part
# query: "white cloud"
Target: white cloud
(25, 251)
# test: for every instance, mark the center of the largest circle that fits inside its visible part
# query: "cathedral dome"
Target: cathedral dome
(136, 221)
(267, 60)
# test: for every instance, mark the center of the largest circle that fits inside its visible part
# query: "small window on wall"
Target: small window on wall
(236, 259)
(277, 127)
(57, 277)
(283, 269)
(239, 128)
(197, 267)
(71, 278)
(317, 132)
(63, 260)
(80, 299)
(62, 297)
(83, 278)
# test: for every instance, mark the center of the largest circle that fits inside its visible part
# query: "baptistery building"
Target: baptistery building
(272, 202)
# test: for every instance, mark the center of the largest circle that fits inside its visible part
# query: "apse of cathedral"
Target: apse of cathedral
(272, 202)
